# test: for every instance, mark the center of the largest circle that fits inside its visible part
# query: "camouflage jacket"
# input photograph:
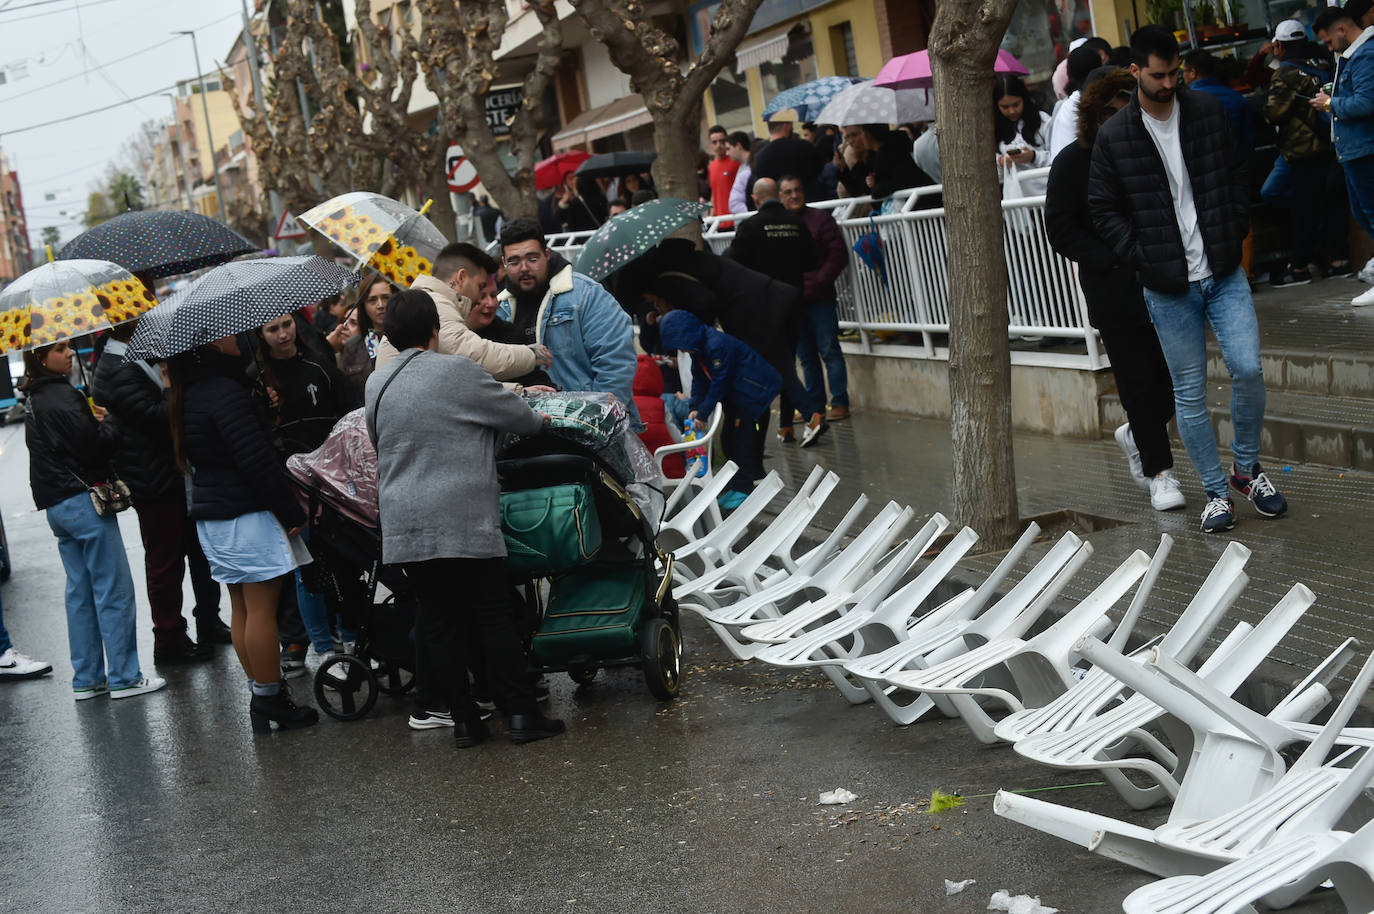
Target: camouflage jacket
(1302, 131)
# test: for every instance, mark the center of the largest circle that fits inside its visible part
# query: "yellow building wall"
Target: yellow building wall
(224, 122)
(1109, 19)
(862, 20)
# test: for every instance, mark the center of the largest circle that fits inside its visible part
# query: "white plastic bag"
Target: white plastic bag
(837, 796)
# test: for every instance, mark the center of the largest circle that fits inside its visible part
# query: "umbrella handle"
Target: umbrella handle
(428, 203)
(48, 248)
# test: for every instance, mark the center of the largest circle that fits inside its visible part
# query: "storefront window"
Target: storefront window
(799, 66)
(730, 95)
(1040, 33)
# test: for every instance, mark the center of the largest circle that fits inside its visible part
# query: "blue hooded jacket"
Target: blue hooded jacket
(723, 368)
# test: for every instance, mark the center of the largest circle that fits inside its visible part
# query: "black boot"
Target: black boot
(264, 710)
(526, 728)
(213, 631)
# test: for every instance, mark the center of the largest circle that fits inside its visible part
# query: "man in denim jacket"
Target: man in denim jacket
(588, 333)
(1351, 106)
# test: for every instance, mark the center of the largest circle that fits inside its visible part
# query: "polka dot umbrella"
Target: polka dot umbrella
(633, 233)
(379, 233)
(157, 243)
(866, 103)
(68, 298)
(235, 297)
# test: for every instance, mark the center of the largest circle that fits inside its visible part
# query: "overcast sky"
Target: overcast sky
(62, 58)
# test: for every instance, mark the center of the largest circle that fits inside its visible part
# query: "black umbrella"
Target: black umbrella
(614, 164)
(236, 297)
(158, 243)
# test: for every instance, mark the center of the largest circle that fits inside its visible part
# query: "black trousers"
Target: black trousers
(742, 438)
(1146, 390)
(457, 599)
(783, 357)
(1308, 210)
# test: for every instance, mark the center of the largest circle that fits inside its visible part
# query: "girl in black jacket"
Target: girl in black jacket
(247, 516)
(69, 449)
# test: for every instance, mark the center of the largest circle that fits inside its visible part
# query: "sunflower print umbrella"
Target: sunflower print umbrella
(157, 243)
(380, 233)
(66, 299)
(633, 233)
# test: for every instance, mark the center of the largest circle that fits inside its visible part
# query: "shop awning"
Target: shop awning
(597, 123)
(761, 49)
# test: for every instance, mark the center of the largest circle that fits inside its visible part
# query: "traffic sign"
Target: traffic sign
(288, 227)
(461, 173)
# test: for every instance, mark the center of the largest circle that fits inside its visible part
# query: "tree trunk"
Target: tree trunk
(677, 137)
(963, 47)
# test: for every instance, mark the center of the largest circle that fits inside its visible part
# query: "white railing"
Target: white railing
(1043, 299)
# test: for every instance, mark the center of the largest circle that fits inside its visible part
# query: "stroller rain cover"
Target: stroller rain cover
(343, 470)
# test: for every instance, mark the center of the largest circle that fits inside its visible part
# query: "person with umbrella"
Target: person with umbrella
(70, 445)
(883, 162)
(135, 396)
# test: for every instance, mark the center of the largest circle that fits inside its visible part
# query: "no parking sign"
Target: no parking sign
(461, 173)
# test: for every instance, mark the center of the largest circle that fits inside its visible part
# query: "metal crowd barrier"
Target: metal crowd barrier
(908, 316)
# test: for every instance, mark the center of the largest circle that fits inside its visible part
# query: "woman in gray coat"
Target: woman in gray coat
(436, 420)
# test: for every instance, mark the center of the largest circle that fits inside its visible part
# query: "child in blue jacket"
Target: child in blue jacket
(726, 371)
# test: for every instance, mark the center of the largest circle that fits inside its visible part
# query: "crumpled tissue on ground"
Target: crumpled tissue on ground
(954, 888)
(837, 796)
(1018, 904)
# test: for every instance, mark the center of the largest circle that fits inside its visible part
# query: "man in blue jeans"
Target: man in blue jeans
(1351, 108)
(820, 327)
(1185, 246)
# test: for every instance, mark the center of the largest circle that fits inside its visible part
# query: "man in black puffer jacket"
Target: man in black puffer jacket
(1164, 191)
(132, 392)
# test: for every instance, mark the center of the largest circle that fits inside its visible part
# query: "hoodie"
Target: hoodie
(724, 369)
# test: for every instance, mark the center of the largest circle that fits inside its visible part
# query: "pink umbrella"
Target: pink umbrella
(912, 71)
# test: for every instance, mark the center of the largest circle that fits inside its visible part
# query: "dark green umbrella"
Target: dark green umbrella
(634, 233)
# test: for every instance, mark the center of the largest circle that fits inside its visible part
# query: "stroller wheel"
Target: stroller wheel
(662, 658)
(345, 687)
(582, 675)
(394, 680)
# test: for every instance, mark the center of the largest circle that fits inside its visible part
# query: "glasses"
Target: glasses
(513, 263)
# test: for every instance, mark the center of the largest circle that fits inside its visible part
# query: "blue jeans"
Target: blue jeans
(1359, 183)
(1278, 187)
(1180, 321)
(100, 595)
(315, 613)
(820, 342)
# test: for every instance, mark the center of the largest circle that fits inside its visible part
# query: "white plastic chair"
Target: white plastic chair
(1099, 689)
(678, 489)
(770, 553)
(843, 572)
(1040, 668)
(696, 518)
(966, 629)
(718, 545)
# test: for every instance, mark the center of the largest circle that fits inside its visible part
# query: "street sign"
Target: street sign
(288, 227)
(501, 106)
(461, 173)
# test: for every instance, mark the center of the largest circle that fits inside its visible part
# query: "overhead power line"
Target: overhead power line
(72, 117)
(70, 9)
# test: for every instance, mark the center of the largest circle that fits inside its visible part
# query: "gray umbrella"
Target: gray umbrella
(236, 297)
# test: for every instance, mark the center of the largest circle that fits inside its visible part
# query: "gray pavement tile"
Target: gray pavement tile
(1315, 318)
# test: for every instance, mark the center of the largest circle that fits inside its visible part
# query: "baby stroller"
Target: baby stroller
(337, 484)
(580, 506)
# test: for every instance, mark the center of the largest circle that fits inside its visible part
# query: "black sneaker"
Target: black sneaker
(1340, 268)
(1259, 490)
(1218, 515)
(186, 652)
(526, 728)
(430, 720)
(1290, 278)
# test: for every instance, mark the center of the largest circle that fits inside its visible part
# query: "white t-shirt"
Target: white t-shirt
(1165, 135)
(1064, 129)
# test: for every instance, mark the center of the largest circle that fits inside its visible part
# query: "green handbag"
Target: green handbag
(551, 529)
(594, 613)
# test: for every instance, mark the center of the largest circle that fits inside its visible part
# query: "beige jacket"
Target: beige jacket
(502, 360)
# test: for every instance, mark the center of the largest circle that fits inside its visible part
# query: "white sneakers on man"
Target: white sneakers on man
(1165, 492)
(1364, 298)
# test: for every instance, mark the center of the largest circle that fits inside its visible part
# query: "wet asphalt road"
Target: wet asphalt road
(168, 803)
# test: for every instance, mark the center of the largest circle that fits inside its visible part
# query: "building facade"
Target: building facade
(15, 254)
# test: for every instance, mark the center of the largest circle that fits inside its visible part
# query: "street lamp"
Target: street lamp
(209, 135)
(181, 153)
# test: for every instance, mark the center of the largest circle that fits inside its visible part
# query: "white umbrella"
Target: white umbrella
(865, 103)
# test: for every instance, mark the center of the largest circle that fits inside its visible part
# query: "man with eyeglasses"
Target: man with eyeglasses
(589, 335)
(1165, 191)
(456, 281)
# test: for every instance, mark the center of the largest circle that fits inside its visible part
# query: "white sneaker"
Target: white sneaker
(1165, 492)
(14, 665)
(1126, 441)
(141, 687)
(1367, 271)
(430, 720)
(1364, 298)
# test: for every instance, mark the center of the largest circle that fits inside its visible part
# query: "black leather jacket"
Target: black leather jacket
(68, 448)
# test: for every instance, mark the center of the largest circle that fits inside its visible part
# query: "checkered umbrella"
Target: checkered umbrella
(68, 298)
(809, 98)
(379, 233)
(235, 297)
(159, 243)
(633, 233)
